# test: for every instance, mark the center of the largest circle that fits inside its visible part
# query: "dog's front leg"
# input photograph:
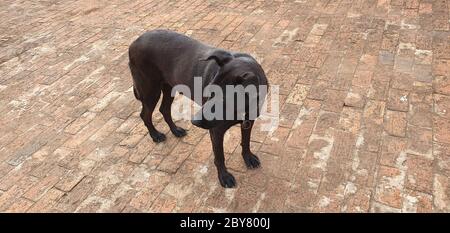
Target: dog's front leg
(250, 159)
(226, 179)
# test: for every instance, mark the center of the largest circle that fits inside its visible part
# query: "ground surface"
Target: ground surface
(365, 111)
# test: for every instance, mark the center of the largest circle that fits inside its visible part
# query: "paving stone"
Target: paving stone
(398, 100)
(395, 123)
(364, 109)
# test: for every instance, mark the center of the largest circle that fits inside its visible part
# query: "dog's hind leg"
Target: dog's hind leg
(148, 105)
(149, 96)
(165, 110)
(251, 160)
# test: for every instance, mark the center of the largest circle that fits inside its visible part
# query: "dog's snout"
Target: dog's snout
(197, 123)
(200, 123)
(204, 124)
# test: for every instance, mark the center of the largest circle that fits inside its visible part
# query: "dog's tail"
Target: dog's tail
(135, 73)
(136, 93)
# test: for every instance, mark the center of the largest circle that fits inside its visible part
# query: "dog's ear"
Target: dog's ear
(247, 78)
(221, 57)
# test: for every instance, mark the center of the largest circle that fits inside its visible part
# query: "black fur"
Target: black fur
(161, 59)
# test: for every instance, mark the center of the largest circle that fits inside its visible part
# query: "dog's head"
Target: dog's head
(243, 86)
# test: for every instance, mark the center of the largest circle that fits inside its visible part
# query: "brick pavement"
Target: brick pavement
(365, 108)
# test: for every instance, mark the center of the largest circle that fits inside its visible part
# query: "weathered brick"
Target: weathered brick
(41, 187)
(442, 105)
(69, 180)
(164, 204)
(420, 115)
(350, 120)
(441, 85)
(275, 142)
(418, 174)
(417, 202)
(317, 91)
(79, 123)
(46, 203)
(393, 152)
(363, 168)
(172, 162)
(298, 94)
(395, 123)
(334, 100)
(21, 205)
(442, 129)
(390, 186)
(354, 100)
(275, 197)
(442, 155)
(357, 199)
(398, 100)
(71, 200)
(374, 112)
(420, 141)
(304, 125)
(441, 193)
(362, 78)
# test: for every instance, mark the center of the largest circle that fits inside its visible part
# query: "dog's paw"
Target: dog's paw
(179, 132)
(227, 180)
(158, 137)
(251, 161)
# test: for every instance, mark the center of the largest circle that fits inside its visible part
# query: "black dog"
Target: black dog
(161, 59)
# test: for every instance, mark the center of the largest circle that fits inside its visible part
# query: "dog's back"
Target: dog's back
(170, 54)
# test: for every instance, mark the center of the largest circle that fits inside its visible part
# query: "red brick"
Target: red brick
(275, 142)
(442, 129)
(390, 186)
(350, 120)
(46, 203)
(420, 115)
(304, 125)
(398, 100)
(419, 173)
(441, 84)
(395, 123)
(442, 105)
(334, 100)
(21, 205)
(441, 193)
(362, 79)
(69, 202)
(374, 112)
(41, 187)
(275, 196)
(164, 204)
(357, 199)
(393, 152)
(442, 155)
(420, 141)
(298, 94)
(317, 90)
(69, 180)
(363, 169)
(354, 100)
(417, 202)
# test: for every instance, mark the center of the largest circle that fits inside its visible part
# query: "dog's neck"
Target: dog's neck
(207, 70)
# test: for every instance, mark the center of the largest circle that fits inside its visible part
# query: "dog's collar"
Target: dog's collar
(246, 124)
